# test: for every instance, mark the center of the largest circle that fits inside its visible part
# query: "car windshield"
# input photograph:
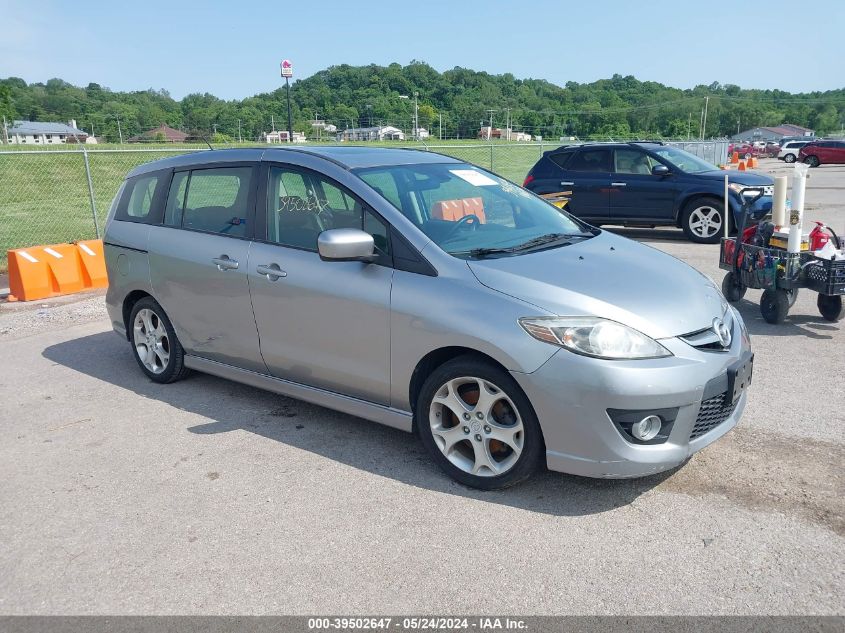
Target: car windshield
(469, 212)
(684, 161)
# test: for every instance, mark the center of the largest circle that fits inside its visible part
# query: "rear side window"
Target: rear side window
(591, 160)
(215, 200)
(139, 198)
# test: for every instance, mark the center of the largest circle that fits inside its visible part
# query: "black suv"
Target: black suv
(646, 184)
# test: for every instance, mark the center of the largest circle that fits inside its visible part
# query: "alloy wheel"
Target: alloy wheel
(705, 221)
(476, 426)
(152, 344)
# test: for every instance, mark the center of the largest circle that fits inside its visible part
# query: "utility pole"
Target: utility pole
(704, 124)
(490, 133)
(689, 127)
(240, 139)
(119, 131)
(508, 124)
(440, 131)
(272, 123)
(5, 132)
(416, 117)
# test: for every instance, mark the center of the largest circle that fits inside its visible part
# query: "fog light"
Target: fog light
(647, 428)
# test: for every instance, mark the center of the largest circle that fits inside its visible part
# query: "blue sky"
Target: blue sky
(233, 49)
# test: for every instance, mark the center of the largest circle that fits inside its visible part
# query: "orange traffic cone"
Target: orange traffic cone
(751, 163)
(741, 165)
(735, 158)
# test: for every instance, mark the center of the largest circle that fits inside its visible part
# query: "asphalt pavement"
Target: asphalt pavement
(121, 496)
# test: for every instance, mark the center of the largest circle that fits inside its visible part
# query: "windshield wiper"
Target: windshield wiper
(540, 240)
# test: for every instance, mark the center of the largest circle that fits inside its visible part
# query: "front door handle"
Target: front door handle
(271, 271)
(224, 263)
(619, 184)
(566, 183)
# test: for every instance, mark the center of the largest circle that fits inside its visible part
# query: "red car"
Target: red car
(745, 150)
(823, 153)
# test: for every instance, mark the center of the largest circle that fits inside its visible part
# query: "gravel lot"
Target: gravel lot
(121, 496)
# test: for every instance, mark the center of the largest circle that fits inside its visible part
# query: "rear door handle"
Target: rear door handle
(224, 263)
(271, 271)
(566, 183)
(619, 184)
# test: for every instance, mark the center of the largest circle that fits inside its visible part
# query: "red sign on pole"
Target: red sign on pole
(287, 68)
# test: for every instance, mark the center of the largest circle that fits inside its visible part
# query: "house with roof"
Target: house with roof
(380, 133)
(46, 133)
(776, 133)
(160, 134)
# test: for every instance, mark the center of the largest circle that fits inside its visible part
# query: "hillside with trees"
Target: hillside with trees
(368, 95)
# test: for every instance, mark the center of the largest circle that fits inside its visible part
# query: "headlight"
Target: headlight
(738, 188)
(593, 336)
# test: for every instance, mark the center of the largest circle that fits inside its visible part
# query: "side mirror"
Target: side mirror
(346, 245)
(660, 170)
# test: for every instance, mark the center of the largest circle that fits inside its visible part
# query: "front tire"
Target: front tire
(733, 288)
(789, 158)
(155, 347)
(703, 220)
(812, 161)
(774, 306)
(478, 425)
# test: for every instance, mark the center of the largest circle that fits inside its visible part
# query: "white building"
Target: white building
(46, 133)
(382, 133)
(282, 137)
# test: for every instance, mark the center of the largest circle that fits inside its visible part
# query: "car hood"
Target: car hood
(742, 177)
(611, 277)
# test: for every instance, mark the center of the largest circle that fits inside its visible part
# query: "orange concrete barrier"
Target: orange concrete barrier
(93, 263)
(39, 272)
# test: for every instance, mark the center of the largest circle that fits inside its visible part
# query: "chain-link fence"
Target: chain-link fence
(62, 195)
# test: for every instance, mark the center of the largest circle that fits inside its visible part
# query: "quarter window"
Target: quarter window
(136, 203)
(141, 198)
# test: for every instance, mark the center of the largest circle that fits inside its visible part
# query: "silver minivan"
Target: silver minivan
(428, 294)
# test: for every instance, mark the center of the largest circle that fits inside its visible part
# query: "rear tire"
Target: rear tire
(703, 220)
(155, 347)
(463, 407)
(830, 307)
(789, 158)
(812, 161)
(774, 306)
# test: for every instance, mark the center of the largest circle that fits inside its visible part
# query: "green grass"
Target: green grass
(44, 197)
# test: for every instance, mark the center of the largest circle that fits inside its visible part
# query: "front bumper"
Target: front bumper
(571, 395)
(761, 208)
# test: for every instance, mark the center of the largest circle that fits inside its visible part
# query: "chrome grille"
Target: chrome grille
(712, 413)
(706, 339)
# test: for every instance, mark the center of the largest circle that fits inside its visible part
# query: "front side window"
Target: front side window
(685, 161)
(217, 200)
(463, 208)
(632, 161)
(301, 204)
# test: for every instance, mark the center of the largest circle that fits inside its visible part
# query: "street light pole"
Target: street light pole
(290, 120)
